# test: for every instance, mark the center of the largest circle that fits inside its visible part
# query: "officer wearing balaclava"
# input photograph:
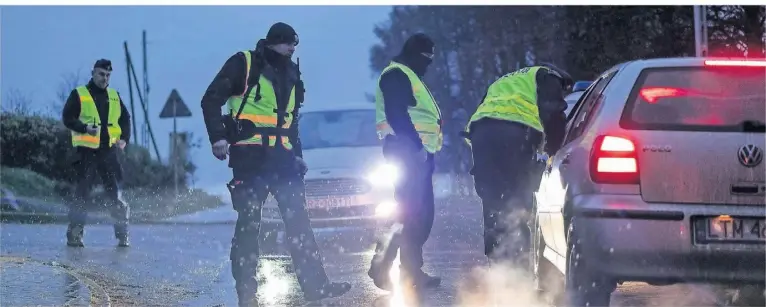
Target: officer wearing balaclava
(408, 121)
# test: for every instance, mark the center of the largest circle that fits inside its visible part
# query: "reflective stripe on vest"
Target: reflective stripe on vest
(425, 115)
(513, 97)
(261, 112)
(89, 116)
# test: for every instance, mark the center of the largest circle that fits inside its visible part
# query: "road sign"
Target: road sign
(175, 107)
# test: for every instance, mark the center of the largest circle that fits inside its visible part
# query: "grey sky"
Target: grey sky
(187, 46)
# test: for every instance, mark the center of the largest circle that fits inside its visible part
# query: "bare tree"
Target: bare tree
(16, 102)
(69, 82)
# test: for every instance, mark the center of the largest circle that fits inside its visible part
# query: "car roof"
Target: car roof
(678, 61)
(351, 106)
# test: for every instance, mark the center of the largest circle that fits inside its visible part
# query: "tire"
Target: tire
(583, 286)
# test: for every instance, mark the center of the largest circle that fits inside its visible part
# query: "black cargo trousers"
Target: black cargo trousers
(89, 165)
(249, 189)
(414, 194)
(506, 175)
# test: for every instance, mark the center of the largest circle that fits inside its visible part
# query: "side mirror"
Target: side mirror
(580, 86)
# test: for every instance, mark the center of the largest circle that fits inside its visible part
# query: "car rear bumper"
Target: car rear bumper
(631, 240)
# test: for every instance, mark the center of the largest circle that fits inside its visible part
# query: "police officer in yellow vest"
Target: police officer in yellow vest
(409, 123)
(263, 92)
(519, 112)
(99, 123)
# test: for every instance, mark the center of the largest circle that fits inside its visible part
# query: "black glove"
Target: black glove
(301, 166)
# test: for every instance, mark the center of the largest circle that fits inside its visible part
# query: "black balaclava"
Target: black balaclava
(566, 79)
(279, 33)
(412, 53)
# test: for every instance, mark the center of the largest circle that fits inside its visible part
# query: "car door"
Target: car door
(562, 173)
(544, 205)
(549, 191)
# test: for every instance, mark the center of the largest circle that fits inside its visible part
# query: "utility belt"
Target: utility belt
(239, 129)
(533, 137)
(529, 132)
(243, 129)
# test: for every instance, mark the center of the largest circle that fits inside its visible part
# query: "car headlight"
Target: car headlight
(385, 209)
(384, 175)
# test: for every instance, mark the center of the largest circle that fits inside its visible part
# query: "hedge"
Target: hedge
(43, 145)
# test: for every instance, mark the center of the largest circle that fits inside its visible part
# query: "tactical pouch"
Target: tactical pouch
(240, 196)
(392, 147)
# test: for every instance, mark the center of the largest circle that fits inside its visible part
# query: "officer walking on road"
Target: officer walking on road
(519, 112)
(99, 122)
(409, 123)
(263, 93)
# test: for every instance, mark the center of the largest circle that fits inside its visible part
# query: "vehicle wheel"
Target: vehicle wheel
(584, 286)
(751, 295)
(545, 280)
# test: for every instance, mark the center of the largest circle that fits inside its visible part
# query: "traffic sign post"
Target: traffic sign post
(175, 108)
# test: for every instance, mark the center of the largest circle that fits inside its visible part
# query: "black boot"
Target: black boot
(121, 233)
(380, 266)
(74, 234)
(420, 279)
(385, 254)
(246, 294)
(329, 290)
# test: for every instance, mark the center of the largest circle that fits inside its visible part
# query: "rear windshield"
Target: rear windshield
(699, 99)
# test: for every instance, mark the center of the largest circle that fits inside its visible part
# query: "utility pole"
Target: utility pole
(130, 90)
(700, 31)
(147, 133)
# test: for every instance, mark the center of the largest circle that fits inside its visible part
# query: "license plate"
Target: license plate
(735, 229)
(329, 202)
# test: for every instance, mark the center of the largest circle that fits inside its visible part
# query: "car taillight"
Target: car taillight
(746, 63)
(614, 160)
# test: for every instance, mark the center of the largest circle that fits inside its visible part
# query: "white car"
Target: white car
(348, 182)
(660, 180)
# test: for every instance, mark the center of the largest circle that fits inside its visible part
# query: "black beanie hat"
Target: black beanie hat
(103, 63)
(418, 43)
(566, 78)
(281, 33)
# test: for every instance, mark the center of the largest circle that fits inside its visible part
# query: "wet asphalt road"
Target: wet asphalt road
(188, 265)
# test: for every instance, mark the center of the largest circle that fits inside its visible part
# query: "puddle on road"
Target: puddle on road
(27, 283)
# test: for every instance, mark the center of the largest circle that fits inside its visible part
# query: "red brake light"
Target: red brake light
(652, 94)
(617, 144)
(614, 160)
(746, 63)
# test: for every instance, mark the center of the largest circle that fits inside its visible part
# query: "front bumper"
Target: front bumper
(631, 240)
(376, 208)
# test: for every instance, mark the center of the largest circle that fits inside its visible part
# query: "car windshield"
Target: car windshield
(700, 98)
(344, 128)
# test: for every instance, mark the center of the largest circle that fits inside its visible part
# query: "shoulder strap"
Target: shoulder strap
(253, 82)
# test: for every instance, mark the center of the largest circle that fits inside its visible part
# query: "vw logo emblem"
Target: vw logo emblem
(750, 155)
